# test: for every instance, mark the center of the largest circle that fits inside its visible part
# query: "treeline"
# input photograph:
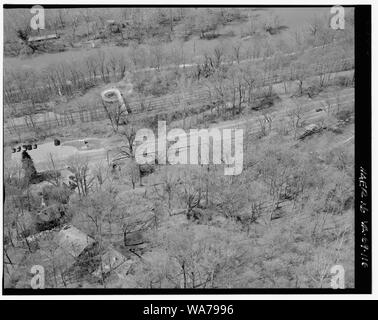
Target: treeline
(122, 24)
(70, 78)
(227, 90)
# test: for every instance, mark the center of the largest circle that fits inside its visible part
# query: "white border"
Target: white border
(374, 175)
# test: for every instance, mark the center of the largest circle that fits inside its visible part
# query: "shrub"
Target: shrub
(56, 194)
(344, 115)
(343, 81)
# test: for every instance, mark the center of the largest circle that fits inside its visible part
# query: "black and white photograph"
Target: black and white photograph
(186, 149)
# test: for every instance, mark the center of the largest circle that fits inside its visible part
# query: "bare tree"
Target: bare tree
(299, 74)
(81, 176)
(166, 189)
(115, 112)
(75, 20)
(236, 49)
(101, 61)
(129, 132)
(296, 116)
(87, 17)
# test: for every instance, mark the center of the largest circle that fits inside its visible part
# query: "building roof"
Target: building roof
(72, 241)
(113, 262)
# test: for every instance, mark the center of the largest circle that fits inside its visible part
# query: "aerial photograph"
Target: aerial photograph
(178, 147)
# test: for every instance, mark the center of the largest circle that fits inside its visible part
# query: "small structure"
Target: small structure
(43, 38)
